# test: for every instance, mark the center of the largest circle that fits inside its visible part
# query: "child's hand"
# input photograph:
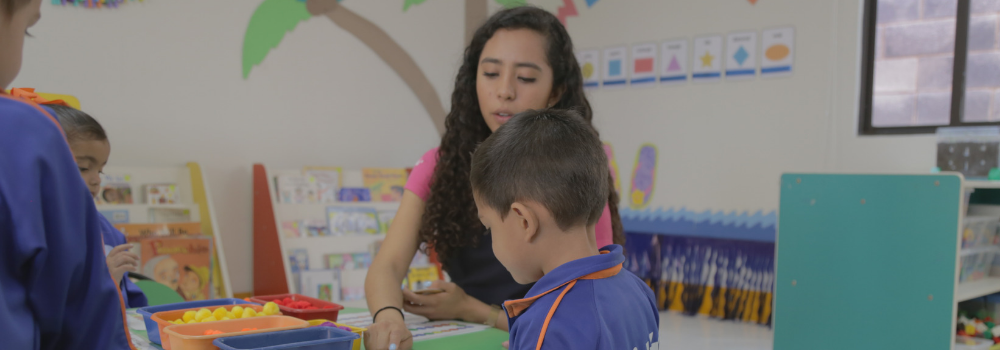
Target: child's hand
(450, 304)
(120, 261)
(506, 344)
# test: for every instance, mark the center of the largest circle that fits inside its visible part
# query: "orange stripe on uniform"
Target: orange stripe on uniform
(552, 311)
(39, 108)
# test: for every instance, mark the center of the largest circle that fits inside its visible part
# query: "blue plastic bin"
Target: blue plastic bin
(153, 330)
(319, 338)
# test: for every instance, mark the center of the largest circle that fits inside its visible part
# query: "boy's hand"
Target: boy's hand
(120, 261)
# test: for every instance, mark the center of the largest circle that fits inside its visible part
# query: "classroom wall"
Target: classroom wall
(164, 77)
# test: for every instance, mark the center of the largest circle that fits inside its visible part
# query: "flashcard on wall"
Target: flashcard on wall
(643, 177)
(708, 58)
(643, 64)
(674, 62)
(590, 61)
(741, 56)
(778, 55)
(615, 67)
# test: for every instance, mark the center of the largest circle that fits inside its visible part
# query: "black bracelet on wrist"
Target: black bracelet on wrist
(388, 307)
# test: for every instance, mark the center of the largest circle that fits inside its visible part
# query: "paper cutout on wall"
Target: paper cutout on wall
(643, 64)
(590, 3)
(779, 51)
(274, 18)
(590, 67)
(674, 62)
(615, 67)
(708, 58)
(613, 167)
(643, 177)
(92, 3)
(408, 3)
(741, 58)
(568, 9)
(509, 4)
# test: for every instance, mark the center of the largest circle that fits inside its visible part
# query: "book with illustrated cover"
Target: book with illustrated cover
(320, 284)
(135, 232)
(349, 261)
(328, 181)
(115, 189)
(181, 263)
(169, 215)
(298, 261)
(352, 220)
(385, 219)
(291, 229)
(116, 216)
(385, 184)
(161, 194)
(296, 189)
(315, 228)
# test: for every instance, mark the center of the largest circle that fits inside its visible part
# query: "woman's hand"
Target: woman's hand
(389, 332)
(450, 304)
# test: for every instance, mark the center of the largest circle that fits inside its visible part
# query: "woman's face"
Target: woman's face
(12, 31)
(513, 76)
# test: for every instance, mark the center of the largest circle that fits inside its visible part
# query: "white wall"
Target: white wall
(164, 78)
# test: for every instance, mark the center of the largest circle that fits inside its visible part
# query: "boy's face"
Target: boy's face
(91, 156)
(510, 244)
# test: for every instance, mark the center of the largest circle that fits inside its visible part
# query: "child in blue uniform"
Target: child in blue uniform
(540, 183)
(91, 149)
(55, 289)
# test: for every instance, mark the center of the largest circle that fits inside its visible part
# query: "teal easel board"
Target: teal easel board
(866, 261)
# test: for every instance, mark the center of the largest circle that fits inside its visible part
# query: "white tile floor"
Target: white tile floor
(678, 331)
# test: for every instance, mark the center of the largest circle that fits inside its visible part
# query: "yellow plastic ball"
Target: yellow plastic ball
(189, 316)
(248, 313)
(209, 319)
(237, 311)
(271, 308)
(220, 313)
(202, 314)
(192, 321)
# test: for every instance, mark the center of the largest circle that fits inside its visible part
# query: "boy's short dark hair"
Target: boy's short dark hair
(549, 156)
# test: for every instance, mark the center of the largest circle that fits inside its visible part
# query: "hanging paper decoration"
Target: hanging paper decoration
(92, 3)
(643, 177)
(613, 167)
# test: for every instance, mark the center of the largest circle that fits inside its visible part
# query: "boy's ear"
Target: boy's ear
(526, 220)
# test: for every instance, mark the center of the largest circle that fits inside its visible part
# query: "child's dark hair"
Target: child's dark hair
(552, 157)
(8, 7)
(449, 222)
(77, 125)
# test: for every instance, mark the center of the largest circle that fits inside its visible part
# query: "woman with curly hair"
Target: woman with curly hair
(520, 59)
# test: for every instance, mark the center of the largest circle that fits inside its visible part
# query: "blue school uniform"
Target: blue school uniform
(55, 288)
(589, 303)
(131, 294)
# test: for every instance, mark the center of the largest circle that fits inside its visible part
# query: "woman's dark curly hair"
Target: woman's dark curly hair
(450, 221)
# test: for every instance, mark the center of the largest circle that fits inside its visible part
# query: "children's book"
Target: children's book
(116, 216)
(316, 228)
(355, 194)
(385, 220)
(296, 189)
(352, 220)
(298, 261)
(180, 263)
(291, 229)
(350, 261)
(320, 284)
(115, 189)
(385, 184)
(169, 215)
(328, 180)
(135, 232)
(161, 194)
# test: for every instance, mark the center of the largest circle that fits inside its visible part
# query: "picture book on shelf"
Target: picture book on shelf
(116, 216)
(385, 184)
(298, 260)
(169, 215)
(354, 194)
(161, 194)
(385, 219)
(181, 263)
(291, 229)
(316, 228)
(296, 189)
(320, 284)
(135, 232)
(328, 180)
(349, 261)
(115, 189)
(352, 220)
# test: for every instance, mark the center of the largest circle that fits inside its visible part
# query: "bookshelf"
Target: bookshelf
(192, 194)
(272, 273)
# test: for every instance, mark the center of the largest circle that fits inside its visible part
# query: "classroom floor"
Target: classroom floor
(678, 331)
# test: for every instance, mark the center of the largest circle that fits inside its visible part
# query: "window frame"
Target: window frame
(870, 21)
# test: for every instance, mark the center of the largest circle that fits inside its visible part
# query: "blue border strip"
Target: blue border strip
(741, 72)
(706, 75)
(615, 82)
(674, 78)
(776, 69)
(758, 227)
(592, 84)
(643, 80)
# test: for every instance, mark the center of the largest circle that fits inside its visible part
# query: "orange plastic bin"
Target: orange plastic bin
(192, 336)
(163, 318)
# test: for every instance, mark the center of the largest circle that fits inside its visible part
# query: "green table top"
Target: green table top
(489, 339)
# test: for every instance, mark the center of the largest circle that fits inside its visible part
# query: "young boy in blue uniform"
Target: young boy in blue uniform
(55, 288)
(540, 182)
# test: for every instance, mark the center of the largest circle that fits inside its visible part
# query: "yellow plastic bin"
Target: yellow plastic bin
(359, 331)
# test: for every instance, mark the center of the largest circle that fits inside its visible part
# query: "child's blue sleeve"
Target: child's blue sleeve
(55, 288)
